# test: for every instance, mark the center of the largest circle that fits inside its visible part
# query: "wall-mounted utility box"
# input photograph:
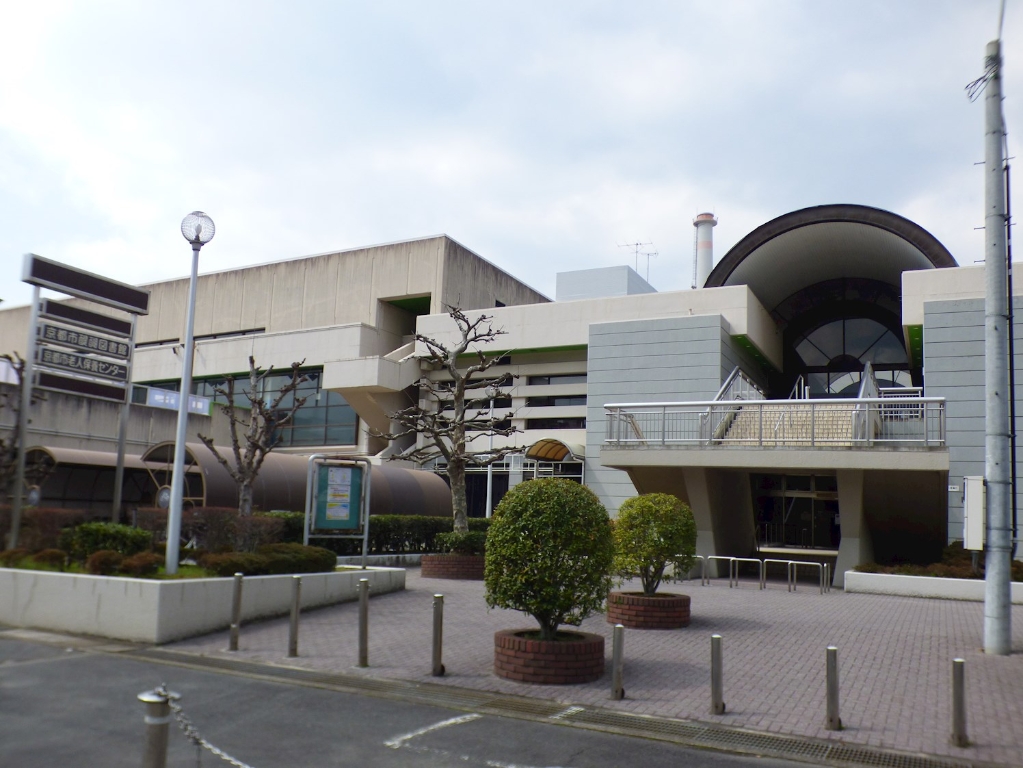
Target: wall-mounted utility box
(974, 512)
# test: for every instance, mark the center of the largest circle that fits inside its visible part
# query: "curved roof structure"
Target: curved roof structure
(552, 449)
(826, 242)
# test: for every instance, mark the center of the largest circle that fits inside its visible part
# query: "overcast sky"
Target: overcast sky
(540, 135)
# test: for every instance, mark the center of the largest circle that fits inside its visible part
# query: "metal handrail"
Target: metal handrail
(824, 569)
(733, 570)
(868, 421)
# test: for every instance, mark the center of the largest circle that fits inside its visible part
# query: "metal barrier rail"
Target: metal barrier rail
(823, 578)
(792, 567)
(733, 570)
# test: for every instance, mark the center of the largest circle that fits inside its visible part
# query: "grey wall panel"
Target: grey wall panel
(954, 369)
(663, 360)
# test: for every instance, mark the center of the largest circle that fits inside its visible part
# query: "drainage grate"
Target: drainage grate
(644, 726)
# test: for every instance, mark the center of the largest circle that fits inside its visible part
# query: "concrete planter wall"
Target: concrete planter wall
(922, 586)
(149, 611)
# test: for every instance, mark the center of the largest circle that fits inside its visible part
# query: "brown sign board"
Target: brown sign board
(86, 285)
(84, 387)
(85, 342)
(86, 365)
(84, 318)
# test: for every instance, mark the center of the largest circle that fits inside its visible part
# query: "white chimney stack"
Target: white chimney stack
(703, 256)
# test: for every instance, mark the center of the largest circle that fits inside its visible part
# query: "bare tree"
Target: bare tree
(460, 413)
(259, 431)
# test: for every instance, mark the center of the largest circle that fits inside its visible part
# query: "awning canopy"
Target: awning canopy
(551, 449)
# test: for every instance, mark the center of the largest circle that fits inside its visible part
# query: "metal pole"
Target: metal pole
(363, 622)
(959, 738)
(236, 611)
(618, 663)
(23, 409)
(296, 609)
(832, 721)
(122, 437)
(438, 635)
(997, 616)
(157, 720)
(490, 467)
(717, 682)
(178, 478)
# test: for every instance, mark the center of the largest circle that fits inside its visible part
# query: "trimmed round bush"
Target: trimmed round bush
(10, 558)
(143, 564)
(651, 532)
(104, 563)
(53, 558)
(89, 538)
(549, 553)
(468, 543)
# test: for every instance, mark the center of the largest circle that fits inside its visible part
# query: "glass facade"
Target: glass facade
(325, 418)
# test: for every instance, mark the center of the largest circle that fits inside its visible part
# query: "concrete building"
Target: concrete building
(821, 392)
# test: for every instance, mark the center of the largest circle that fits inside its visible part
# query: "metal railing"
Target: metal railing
(861, 423)
(791, 571)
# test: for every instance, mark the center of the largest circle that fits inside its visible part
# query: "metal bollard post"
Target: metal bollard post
(296, 609)
(157, 720)
(438, 635)
(617, 664)
(717, 683)
(832, 721)
(363, 622)
(959, 737)
(236, 612)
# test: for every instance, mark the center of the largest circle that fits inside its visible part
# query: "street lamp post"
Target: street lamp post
(198, 229)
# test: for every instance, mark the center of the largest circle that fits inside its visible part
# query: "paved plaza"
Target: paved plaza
(895, 657)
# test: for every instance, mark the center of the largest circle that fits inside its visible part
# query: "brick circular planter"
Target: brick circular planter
(452, 566)
(637, 611)
(577, 659)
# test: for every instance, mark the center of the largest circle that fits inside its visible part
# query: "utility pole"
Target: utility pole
(997, 604)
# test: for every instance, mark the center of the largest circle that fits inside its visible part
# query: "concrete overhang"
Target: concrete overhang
(566, 324)
(788, 459)
(823, 243)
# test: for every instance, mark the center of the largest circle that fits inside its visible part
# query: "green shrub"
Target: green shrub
(41, 527)
(255, 531)
(651, 532)
(271, 559)
(10, 558)
(89, 538)
(292, 525)
(216, 528)
(52, 558)
(143, 564)
(469, 543)
(549, 553)
(104, 562)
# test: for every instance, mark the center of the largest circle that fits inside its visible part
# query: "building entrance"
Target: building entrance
(796, 511)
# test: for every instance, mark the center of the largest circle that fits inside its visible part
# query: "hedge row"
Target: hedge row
(401, 534)
(271, 559)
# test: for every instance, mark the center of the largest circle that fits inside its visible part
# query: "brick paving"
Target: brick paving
(895, 658)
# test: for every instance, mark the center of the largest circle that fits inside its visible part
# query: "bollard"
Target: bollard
(832, 721)
(959, 737)
(296, 608)
(717, 684)
(236, 612)
(157, 720)
(618, 664)
(438, 635)
(363, 622)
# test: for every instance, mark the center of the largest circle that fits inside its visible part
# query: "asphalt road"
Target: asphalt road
(67, 707)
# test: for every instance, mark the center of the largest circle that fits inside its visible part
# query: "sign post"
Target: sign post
(337, 499)
(75, 351)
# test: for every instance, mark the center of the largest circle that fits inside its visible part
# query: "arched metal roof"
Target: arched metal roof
(826, 242)
(551, 449)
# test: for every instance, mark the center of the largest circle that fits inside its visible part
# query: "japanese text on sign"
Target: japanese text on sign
(85, 341)
(68, 361)
(339, 493)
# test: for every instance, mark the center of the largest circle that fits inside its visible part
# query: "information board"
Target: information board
(338, 498)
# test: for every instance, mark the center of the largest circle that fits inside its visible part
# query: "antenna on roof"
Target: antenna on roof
(648, 254)
(635, 249)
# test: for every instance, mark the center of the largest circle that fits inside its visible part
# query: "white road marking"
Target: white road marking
(495, 764)
(398, 742)
(565, 713)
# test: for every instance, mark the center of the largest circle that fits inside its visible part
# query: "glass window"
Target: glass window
(558, 378)
(566, 423)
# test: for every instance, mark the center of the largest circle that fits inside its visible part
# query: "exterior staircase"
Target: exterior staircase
(793, 424)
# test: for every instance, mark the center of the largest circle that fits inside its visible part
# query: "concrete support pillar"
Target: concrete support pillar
(856, 546)
(699, 493)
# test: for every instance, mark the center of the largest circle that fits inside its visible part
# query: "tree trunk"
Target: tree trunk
(245, 498)
(456, 475)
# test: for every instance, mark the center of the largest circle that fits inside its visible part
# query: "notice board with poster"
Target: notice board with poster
(338, 498)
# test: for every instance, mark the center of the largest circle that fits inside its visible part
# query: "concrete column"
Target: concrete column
(699, 499)
(856, 546)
